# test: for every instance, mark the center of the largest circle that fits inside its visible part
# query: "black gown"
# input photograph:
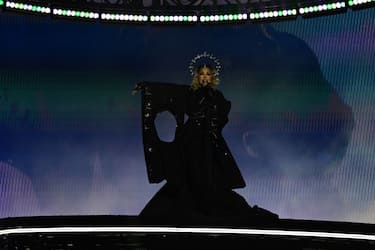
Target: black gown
(198, 167)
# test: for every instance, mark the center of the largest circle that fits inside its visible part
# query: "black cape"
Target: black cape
(193, 145)
(198, 167)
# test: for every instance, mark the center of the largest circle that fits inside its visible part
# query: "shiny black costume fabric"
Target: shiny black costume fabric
(198, 167)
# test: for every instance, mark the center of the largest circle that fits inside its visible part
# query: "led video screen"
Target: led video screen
(301, 125)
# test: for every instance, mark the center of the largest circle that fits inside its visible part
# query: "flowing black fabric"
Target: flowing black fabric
(209, 163)
(198, 167)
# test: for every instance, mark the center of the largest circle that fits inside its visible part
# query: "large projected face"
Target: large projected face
(71, 132)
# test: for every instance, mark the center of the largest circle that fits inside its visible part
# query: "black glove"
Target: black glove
(139, 86)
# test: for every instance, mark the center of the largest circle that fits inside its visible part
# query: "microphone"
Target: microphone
(204, 82)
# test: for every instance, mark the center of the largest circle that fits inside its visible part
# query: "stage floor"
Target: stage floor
(132, 232)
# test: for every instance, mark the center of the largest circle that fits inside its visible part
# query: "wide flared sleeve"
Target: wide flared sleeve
(161, 156)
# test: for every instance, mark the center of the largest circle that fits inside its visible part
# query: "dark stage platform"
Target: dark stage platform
(131, 232)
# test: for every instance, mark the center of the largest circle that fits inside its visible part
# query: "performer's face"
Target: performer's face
(205, 76)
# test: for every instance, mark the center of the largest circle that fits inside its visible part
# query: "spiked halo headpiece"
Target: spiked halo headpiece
(205, 59)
